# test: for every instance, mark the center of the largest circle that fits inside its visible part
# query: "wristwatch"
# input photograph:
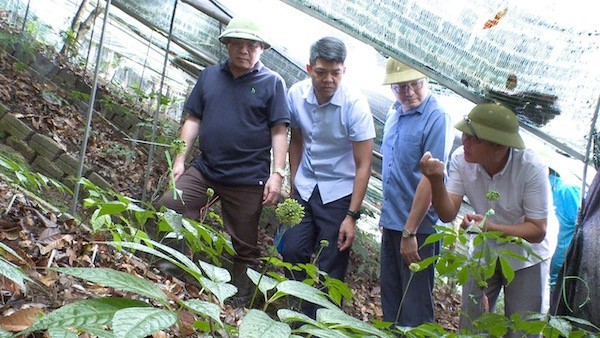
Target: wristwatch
(407, 234)
(280, 171)
(353, 214)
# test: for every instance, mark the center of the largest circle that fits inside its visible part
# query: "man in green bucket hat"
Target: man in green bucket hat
(495, 171)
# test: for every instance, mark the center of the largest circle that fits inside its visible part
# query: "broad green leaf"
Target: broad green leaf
(305, 292)
(433, 238)
(446, 267)
(85, 313)
(463, 275)
(266, 283)
(141, 322)
(257, 324)
(8, 249)
(98, 222)
(496, 324)
(173, 219)
(118, 280)
(314, 331)
(14, 273)
(581, 321)
(427, 261)
(510, 254)
(215, 273)
(112, 208)
(205, 308)
(5, 334)
(563, 326)
(176, 257)
(337, 289)
(340, 318)
(220, 290)
(507, 270)
(477, 240)
(57, 332)
(427, 330)
(287, 316)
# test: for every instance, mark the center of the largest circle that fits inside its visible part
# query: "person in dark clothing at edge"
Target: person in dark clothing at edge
(239, 111)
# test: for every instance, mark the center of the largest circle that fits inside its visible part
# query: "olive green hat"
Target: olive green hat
(397, 72)
(494, 123)
(244, 28)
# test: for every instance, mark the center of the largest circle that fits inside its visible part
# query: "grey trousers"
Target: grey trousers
(527, 292)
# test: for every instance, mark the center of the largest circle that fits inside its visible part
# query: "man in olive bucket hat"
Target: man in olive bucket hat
(238, 110)
(493, 162)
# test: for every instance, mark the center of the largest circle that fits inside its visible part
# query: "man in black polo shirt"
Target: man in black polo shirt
(239, 111)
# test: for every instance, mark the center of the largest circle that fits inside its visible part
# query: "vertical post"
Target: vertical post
(588, 150)
(158, 101)
(83, 150)
(25, 17)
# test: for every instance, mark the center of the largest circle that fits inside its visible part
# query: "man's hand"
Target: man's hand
(346, 234)
(471, 219)
(272, 191)
(178, 169)
(409, 249)
(432, 167)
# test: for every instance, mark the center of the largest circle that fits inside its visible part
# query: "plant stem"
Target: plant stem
(412, 273)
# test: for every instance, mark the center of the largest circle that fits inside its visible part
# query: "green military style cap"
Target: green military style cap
(494, 123)
(244, 28)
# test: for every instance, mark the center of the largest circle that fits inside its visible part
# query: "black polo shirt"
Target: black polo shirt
(237, 114)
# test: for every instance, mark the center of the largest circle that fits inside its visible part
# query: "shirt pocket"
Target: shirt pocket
(409, 149)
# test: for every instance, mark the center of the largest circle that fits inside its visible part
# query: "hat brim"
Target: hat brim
(492, 135)
(403, 76)
(242, 35)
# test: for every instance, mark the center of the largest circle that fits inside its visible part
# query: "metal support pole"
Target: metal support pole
(25, 17)
(588, 150)
(90, 112)
(158, 101)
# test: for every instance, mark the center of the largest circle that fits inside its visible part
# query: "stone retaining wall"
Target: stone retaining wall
(43, 153)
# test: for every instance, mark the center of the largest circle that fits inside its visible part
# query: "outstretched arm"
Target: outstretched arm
(446, 205)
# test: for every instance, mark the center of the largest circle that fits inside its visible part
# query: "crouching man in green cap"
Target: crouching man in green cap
(493, 158)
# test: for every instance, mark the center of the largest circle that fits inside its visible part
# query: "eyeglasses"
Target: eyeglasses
(241, 43)
(403, 88)
(470, 125)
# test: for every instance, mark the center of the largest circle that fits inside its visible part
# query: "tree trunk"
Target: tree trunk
(69, 41)
(77, 18)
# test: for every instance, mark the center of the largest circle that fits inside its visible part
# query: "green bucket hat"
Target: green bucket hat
(244, 28)
(494, 123)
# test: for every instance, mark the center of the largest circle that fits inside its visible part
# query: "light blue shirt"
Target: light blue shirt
(567, 198)
(406, 137)
(328, 132)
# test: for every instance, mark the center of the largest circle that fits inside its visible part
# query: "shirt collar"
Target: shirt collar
(336, 99)
(225, 67)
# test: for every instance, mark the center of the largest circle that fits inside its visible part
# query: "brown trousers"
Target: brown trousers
(241, 207)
